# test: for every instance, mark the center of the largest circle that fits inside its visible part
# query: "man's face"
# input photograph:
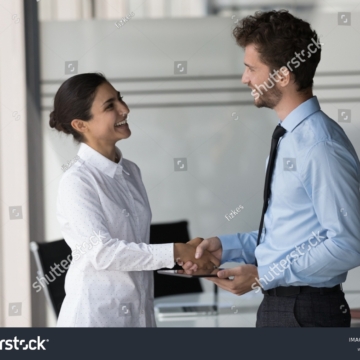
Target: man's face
(265, 90)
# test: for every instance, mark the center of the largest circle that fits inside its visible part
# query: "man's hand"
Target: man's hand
(185, 253)
(212, 245)
(243, 281)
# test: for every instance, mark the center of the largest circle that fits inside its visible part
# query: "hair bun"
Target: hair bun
(52, 121)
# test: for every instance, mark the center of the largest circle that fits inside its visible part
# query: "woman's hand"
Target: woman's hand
(184, 253)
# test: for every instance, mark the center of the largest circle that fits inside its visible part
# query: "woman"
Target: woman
(105, 215)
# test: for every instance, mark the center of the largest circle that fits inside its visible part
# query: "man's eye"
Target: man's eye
(109, 107)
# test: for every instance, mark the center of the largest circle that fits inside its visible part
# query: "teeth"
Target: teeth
(121, 123)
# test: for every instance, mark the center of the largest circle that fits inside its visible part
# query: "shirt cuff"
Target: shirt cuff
(231, 250)
(164, 255)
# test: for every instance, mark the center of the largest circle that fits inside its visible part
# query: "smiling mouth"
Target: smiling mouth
(121, 123)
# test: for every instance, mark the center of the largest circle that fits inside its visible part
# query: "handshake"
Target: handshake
(207, 254)
(199, 254)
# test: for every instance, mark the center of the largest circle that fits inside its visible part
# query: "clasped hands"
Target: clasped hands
(185, 254)
(207, 255)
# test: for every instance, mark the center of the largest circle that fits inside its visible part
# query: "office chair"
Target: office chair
(46, 255)
(171, 285)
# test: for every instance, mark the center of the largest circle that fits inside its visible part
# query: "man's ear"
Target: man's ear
(285, 76)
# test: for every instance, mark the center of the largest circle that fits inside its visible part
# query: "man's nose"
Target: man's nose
(245, 78)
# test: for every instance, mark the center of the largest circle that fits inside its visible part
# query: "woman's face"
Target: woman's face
(108, 109)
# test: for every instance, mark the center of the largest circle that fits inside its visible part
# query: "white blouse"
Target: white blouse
(105, 216)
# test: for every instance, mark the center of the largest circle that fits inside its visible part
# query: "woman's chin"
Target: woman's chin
(124, 134)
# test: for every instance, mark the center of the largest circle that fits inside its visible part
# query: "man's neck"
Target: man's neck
(290, 102)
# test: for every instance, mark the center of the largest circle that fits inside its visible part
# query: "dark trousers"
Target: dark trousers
(304, 310)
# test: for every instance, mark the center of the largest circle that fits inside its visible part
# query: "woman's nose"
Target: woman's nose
(123, 109)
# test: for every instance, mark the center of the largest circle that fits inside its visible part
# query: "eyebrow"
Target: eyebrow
(249, 66)
(112, 99)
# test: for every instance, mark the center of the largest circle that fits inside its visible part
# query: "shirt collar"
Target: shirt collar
(102, 163)
(300, 113)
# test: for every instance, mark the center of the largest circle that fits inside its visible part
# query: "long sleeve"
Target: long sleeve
(239, 247)
(85, 229)
(331, 180)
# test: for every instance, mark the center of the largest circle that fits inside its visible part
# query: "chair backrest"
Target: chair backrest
(171, 285)
(47, 255)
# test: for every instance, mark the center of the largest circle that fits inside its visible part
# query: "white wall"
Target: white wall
(226, 157)
(115, 9)
(15, 300)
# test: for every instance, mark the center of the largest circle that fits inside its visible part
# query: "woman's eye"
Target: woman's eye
(112, 105)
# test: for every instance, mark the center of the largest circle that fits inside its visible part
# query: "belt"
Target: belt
(293, 290)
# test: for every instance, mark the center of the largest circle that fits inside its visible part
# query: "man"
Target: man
(311, 198)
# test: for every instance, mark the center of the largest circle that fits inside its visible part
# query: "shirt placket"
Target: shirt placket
(137, 230)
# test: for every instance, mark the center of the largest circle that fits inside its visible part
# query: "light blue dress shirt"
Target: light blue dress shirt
(312, 224)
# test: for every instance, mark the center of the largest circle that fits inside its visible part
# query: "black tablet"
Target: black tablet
(195, 274)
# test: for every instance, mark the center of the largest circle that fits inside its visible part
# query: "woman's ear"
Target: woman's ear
(79, 125)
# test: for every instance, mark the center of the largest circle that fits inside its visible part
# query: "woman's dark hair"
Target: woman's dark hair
(73, 100)
(277, 36)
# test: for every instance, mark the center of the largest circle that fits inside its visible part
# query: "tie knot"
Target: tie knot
(278, 132)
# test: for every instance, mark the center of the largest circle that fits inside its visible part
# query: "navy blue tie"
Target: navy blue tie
(278, 133)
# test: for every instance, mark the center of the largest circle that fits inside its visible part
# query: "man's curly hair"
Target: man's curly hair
(277, 35)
